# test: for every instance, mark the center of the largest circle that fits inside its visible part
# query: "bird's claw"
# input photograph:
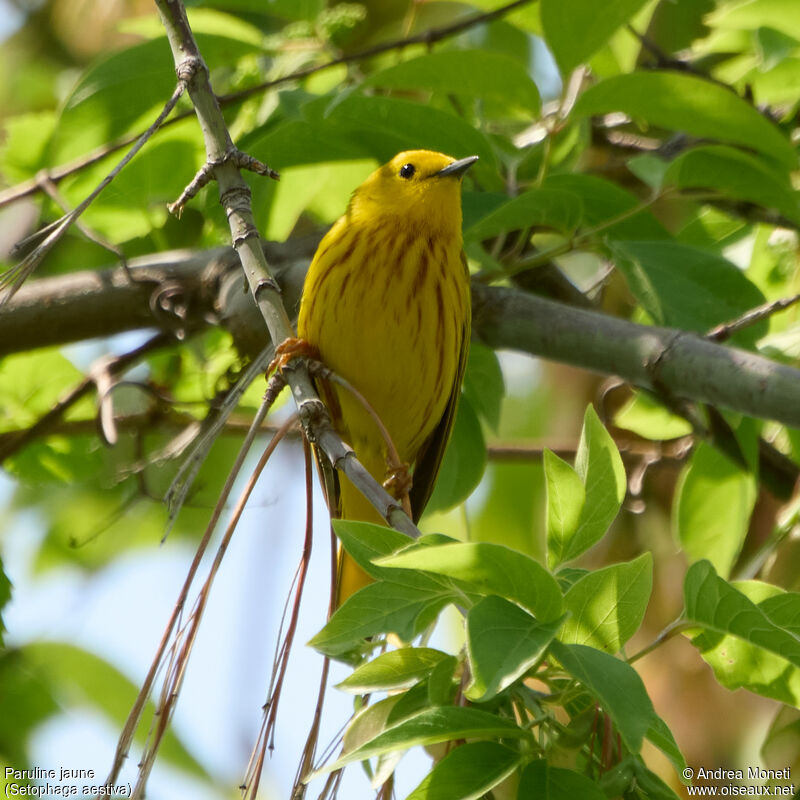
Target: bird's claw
(288, 350)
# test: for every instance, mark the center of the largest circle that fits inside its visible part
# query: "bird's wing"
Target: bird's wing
(429, 459)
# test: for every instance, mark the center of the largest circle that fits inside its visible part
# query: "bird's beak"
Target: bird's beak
(457, 168)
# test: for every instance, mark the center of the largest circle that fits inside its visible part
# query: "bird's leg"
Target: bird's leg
(288, 350)
(398, 483)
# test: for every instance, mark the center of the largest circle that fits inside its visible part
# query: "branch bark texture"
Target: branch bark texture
(680, 364)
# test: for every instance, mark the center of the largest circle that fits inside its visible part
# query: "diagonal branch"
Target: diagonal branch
(235, 199)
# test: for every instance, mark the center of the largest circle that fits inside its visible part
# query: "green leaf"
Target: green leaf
(544, 782)
(432, 726)
(599, 467)
(688, 288)
(24, 144)
(475, 73)
(91, 681)
(397, 669)
(742, 643)
(661, 736)
(483, 383)
(503, 643)
(357, 126)
(441, 682)
(28, 701)
(604, 201)
(575, 31)
(126, 90)
(689, 104)
(607, 606)
(464, 460)
(467, 772)
(616, 685)
(713, 504)
(379, 608)
(566, 497)
(488, 569)
(650, 419)
(537, 208)
(5, 596)
(735, 174)
(366, 541)
(778, 14)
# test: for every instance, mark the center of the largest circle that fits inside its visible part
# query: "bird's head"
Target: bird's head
(418, 187)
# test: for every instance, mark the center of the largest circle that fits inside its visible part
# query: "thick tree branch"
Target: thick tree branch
(665, 360)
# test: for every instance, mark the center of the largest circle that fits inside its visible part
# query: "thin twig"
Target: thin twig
(433, 35)
(725, 330)
(673, 629)
(49, 421)
(12, 279)
(132, 722)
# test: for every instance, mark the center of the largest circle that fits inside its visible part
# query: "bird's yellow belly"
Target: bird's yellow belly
(395, 332)
(403, 358)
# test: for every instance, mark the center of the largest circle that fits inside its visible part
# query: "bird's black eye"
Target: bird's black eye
(407, 171)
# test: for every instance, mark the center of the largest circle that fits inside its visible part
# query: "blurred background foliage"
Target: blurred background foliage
(660, 178)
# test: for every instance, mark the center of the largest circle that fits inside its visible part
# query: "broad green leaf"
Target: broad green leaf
(607, 606)
(781, 745)
(483, 383)
(488, 569)
(650, 419)
(136, 202)
(544, 782)
(661, 736)
(323, 189)
(442, 685)
(373, 720)
(603, 202)
(5, 596)
(650, 785)
(91, 681)
(356, 126)
(713, 504)
(537, 208)
(467, 772)
(126, 90)
(296, 142)
(411, 125)
(575, 31)
(31, 383)
(616, 685)
(688, 288)
(366, 541)
(378, 608)
(464, 460)
(566, 497)
(740, 640)
(599, 467)
(689, 104)
(24, 144)
(432, 726)
(754, 14)
(397, 669)
(28, 701)
(736, 174)
(475, 73)
(203, 21)
(503, 643)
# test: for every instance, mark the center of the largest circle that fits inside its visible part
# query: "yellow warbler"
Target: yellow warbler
(386, 303)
